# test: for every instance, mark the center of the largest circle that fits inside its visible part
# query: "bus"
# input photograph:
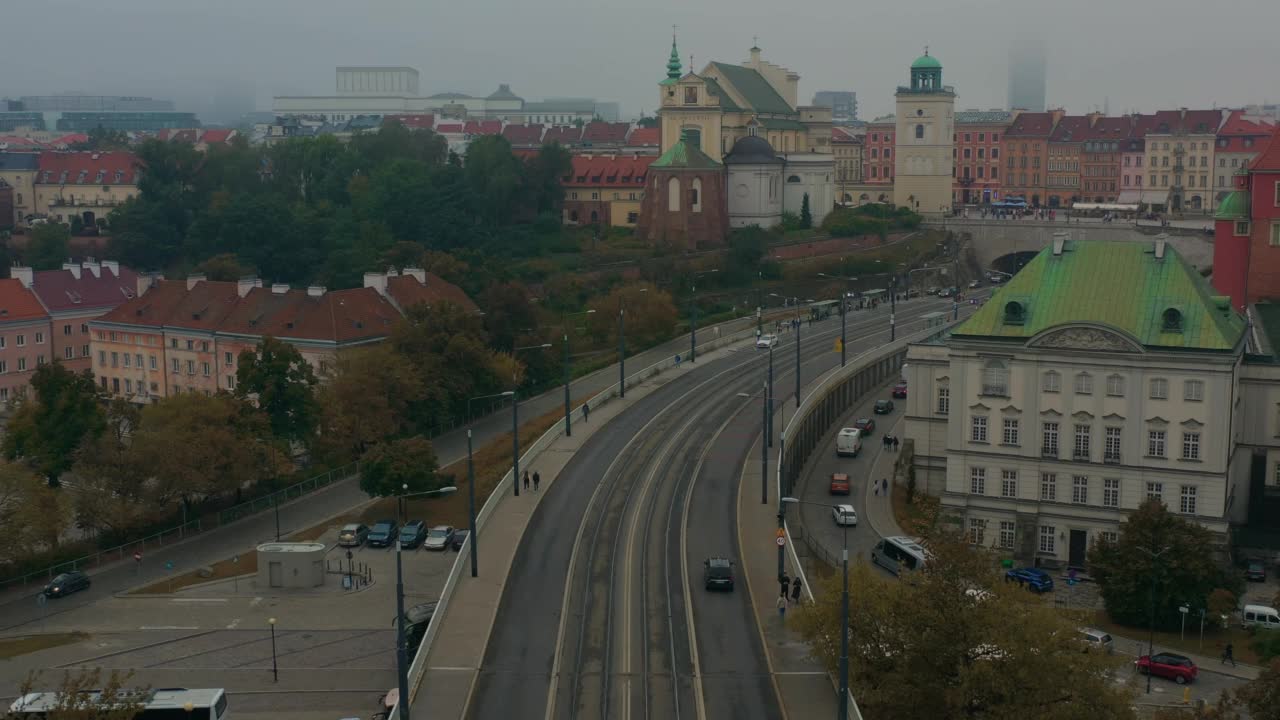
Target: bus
(161, 704)
(822, 310)
(898, 553)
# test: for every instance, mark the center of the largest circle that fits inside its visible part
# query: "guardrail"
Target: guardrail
(502, 491)
(817, 414)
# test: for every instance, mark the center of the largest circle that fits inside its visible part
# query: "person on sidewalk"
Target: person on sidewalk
(1228, 654)
(884, 482)
(782, 607)
(526, 479)
(536, 480)
(786, 585)
(795, 591)
(586, 412)
(896, 443)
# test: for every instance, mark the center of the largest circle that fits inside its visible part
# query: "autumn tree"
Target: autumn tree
(224, 268)
(1130, 574)
(403, 466)
(89, 695)
(508, 313)
(33, 514)
(650, 315)
(282, 384)
(951, 641)
(47, 430)
(111, 490)
(368, 397)
(49, 247)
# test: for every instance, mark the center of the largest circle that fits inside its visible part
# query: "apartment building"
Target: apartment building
(1239, 141)
(1180, 148)
(977, 155)
(1026, 156)
(24, 339)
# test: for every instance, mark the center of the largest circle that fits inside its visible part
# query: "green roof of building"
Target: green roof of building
(685, 156)
(926, 62)
(726, 102)
(1121, 286)
(781, 124)
(1235, 206)
(673, 65)
(753, 88)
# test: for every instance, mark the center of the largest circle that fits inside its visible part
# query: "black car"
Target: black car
(717, 574)
(459, 537)
(884, 407)
(412, 534)
(416, 620)
(66, 583)
(382, 534)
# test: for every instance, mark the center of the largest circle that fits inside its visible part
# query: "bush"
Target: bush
(850, 223)
(1267, 644)
(790, 221)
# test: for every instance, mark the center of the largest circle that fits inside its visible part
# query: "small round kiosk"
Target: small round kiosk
(291, 564)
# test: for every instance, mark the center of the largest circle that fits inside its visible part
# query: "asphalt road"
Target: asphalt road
(620, 644)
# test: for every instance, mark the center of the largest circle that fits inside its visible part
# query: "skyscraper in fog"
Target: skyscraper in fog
(1027, 78)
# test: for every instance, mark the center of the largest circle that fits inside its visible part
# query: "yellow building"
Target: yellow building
(1180, 148)
(87, 185)
(923, 157)
(18, 171)
(847, 148)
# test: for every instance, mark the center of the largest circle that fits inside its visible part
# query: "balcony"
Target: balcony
(1049, 453)
(83, 202)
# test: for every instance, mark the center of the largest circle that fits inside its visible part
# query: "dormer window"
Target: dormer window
(1015, 313)
(1171, 321)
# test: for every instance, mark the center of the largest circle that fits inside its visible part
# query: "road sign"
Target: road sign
(837, 344)
(782, 542)
(137, 556)
(781, 533)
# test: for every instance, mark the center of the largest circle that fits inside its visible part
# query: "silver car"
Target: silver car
(844, 515)
(438, 538)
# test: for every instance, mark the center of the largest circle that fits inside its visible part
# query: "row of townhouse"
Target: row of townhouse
(58, 185)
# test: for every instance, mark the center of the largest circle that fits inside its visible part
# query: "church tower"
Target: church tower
(923, 144)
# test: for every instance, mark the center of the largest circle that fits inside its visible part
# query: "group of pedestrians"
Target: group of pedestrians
(882, 486)
(537, 479)
(891, 442)
(790, 593)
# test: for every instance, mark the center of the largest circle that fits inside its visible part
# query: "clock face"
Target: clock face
(741, 191)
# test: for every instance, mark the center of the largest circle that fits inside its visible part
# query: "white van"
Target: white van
(898, 553)
(849, 442)
(1260, 616)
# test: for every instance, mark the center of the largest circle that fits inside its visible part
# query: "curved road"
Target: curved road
(601, 597)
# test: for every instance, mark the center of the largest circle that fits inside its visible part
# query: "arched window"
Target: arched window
(595, 216)
(995, 378)
(793, 178)
(919, 132)
(673, 195)
(695, 195)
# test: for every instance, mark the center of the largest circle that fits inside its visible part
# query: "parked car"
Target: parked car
(884, 407)
(416, 620)
(382, 534)
(866, 425)
(1034, 579)
(766, 341)
(1260, 616)
(412, 534)
(1256, 571)
(353, 535)
(438, 538)
(945, 293)
(975, 283)
(844, 515)
(717, 574)
(66, 583)
(840, 484)
(900, 390)
(1177, 668)
(459, 537)
(1098, 639)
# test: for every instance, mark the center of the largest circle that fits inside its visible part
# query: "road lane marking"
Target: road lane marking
(199, 600)
(169, 627)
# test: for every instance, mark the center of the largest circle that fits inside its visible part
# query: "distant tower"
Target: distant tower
(684, 200)
(1027, 78)
(923, 142)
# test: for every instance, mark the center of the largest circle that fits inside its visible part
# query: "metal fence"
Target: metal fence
(196, 526)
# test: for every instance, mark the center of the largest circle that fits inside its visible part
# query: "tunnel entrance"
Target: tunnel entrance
(1013, 262)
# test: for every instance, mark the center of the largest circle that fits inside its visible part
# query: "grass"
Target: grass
(1215, 638)
(11, 648)
(222, 570)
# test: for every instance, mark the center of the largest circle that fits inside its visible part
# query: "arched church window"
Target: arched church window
(673, 195)
(793, 178)
(919, 132)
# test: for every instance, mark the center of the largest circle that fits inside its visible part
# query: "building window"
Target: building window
(1187, 503)
(191, 367)
(1084, 384)
(191, 344)
(1190, 446)
(976, 531)
(995, 378)
(1080, 450)
(66, 329)
(1110, 536)
(1048, 486)
(978, 481)
(22, 341)
(1047, 536)
(1193, 390)
(1115, 386)
(1051, 382)
(1009, 483)
(979, 431)
(115, 359)
(944, 399)
(1155, 443)
(1159, 389)
(1006, 534)
(22, 364)
(68, 352)
(1242, 226)
(1111, 449)
(1010, 436)
(1049, 439)
(102, 358)
(919, 132)
(127, 362)
(153, 362)
(84, 351)
(1275, 234)
(1155, 491)
(1080, 489)
(231, 382)
(1111, 492)
(206, 369)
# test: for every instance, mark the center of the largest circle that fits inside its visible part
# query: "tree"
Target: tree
(747, 247)
(111, 490)
(494, 177)
(650, 315)
(806, 215)
(1262, 695)
(103, 139)
(282, 384)
(49, 247)
(367, 398)
(224, 268)
(545, 176)
(388, 467)
(47, 430)
(33, 513)
(1185, 572)
(929, 647)
(508, 313)
(90, 695)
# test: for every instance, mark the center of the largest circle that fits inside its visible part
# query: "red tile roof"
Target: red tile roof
(152, 308)
(87, 168)
(645, 137)
(609, 171)
(425, 121)
(518, 134)
(20, 143)
(565, 135)
(1189, 121)
(217, 136)
(1109, 128)
(1268, 160)
(843, 135)
(61, 290)
(1031, 125)
(603, 132)
(449, 128)
(70, 139)
(407, 291)
(483, 127)
(1238, 123)
(18, 303)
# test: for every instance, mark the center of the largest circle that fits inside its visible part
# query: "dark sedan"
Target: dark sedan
(382, 534)
(67, 583)
(459, 537)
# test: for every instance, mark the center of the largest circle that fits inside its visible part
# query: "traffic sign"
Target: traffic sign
(782, 542)
(137, 556)
(781, 533)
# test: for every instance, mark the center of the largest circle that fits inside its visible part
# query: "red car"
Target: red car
(839, 484)
(866, 425)
(1177, 668)
(900, 390)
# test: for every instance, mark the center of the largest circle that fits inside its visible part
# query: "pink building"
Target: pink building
(24, 339)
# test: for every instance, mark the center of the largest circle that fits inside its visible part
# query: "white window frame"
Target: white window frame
(1081, 441)
(1155, 490)
(1193, 390)
(978, 429)
(1049, 435)
(1084, 384)
(1187, 500)
(1159, 389)
(1048, 538)
(1111, 492)
(1009, 483)
(1111, 444)
(1190, 445)
(1007, 534)
(995, 378)
(1157, 443)
(1080, 489)
(1009, 432)
(1051, 382)
(977, 531)
(1110, 536)
(944, 400)
(1115, 385)
(977, 481)
(1049, 486)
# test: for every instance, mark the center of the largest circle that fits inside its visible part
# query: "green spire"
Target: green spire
(673, 64)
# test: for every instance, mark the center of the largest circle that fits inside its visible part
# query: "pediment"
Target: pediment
(1082, 415)
(1157, 420)
(1113, 417)
(1010, 410)
(1085, 337)
(979, 407)
(1192, 423)
(1050, 413)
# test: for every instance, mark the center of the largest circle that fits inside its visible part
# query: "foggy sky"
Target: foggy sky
(1141, 54)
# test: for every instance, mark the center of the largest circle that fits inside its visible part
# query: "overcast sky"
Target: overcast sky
(1140, 54)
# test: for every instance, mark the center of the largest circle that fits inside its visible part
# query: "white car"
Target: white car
(766, 341)
(438, 538)
(844, 515)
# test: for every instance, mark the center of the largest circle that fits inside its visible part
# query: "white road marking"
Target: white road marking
(169, 627)
(255, 602)
(199, 600)
(234, 624)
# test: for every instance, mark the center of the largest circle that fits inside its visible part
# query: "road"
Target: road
(607, 584)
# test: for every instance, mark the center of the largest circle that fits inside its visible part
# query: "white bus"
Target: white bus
(899, 553)
(162, 704)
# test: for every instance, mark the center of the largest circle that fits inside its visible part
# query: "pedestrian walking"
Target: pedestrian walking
(795, 591)
(786, 584)
(586, 412)
(876, 488)
(896, 443)
(1228, 654)
(536, 480)
(782, 607)
(526, 479)
(885, 483)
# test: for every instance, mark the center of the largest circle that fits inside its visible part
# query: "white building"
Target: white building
(1101, 375)
(762, 184)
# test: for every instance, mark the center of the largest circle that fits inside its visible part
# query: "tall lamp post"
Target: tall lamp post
(765, 399)
(844, 298)
(275, 669)
(622, 345)
(515, 424)
(1151, 603)
(471, 483)
(568, 426)
(843, 704)
(402, 649)
(693, 313)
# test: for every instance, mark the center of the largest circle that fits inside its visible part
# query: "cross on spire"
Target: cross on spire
(926, 49)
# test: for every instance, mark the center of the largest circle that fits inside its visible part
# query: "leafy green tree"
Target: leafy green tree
(494, 177)
(509, 312)
(64, 414)
(368, 397)
(224, 268)
(388, 467)
(1262, 695)
(111, 488)
(747, 247)
(545, 177)
(806, 215)
(102, 139)
(1185, 572)
(50, 246)
(282, 384)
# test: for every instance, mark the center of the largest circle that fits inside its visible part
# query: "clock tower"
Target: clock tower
(923, 162)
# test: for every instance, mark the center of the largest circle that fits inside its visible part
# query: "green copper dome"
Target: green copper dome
(673, 64)
(926, 62)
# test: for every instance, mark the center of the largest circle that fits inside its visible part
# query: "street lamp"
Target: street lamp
(693, 312)
(568, 427)
(843, 704)
(622, 345)
(275, 670)
(402, 650)
(1151, 603)
(471, 483)
(515, 424)
(843, 311)
(766, 399)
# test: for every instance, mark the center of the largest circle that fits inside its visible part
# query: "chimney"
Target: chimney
(417, 273)
(1161, 241)
(1059, 242)
(316, 290)
(93, 267)
(279, 288)
(193, 279)
(111, 265)
(391, 272)
(23, 273)
(247, 283)
(146, 281)
(374, 280)
(73, 267)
